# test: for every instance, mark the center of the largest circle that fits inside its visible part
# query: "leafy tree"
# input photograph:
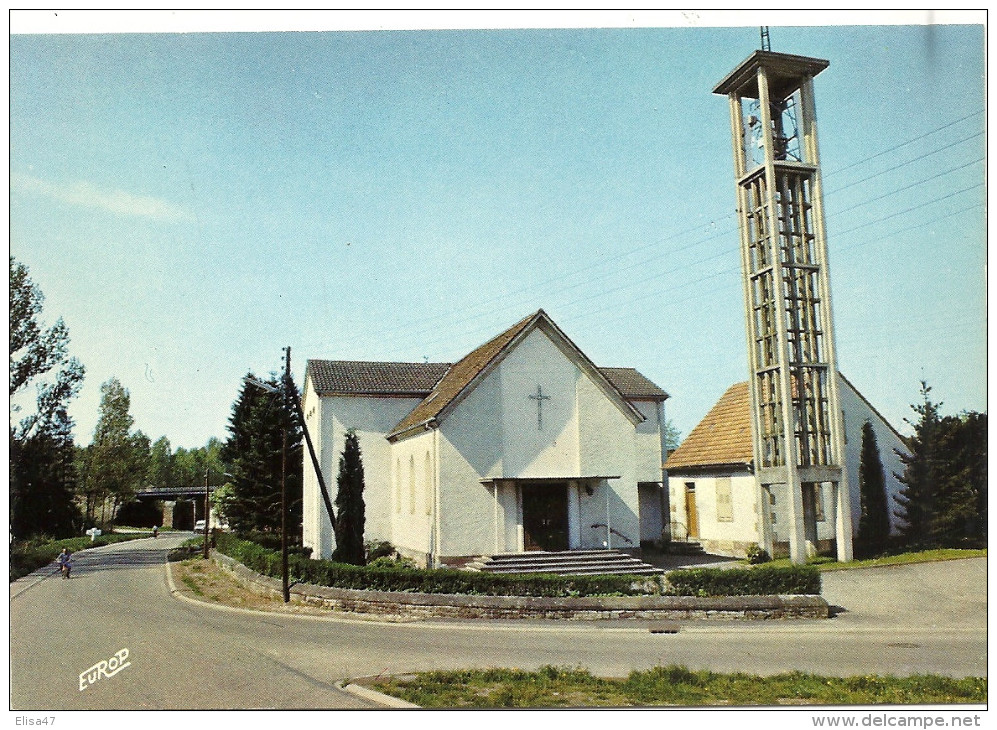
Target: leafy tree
(117, 460)
(253, 453)
(42, 478)
(162, 465)
(36, 352)
(874, 522)
(349, 526)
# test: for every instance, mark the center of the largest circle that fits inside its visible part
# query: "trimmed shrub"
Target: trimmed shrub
(26, 557)
(415, 580)
(761, 581)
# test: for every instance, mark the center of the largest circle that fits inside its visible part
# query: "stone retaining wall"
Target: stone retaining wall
(397, 606)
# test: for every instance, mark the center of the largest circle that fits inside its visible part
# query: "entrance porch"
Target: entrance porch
(545, 514)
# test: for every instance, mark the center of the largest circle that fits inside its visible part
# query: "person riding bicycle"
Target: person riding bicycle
(65, 562)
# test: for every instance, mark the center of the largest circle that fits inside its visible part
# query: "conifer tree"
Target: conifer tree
(349, 527)
(874, 522)
(253, 456)
(921, 472)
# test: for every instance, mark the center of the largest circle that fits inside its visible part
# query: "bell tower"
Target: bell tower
(797, 422)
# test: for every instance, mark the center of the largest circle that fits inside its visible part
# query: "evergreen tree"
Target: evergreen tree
(253, 454)
(961, 489)
(921, 474)
(874, 522)
(349, 526)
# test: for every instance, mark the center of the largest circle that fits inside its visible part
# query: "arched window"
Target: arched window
(429, 484)
(411, 485)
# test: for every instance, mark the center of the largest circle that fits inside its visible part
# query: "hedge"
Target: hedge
(27, 557)
(764, 580)
(414, 580)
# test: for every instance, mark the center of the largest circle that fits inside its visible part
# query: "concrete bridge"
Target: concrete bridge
(182, 506)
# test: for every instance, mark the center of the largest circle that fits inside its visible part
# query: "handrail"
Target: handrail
(612, 531)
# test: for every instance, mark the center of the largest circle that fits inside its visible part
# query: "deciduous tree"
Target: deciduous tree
(42, 477)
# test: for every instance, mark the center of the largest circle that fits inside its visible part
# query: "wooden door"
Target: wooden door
(691, 515)
(545, 517)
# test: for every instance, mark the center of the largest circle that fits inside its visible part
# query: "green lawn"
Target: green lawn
(923, 556)
(673, 685)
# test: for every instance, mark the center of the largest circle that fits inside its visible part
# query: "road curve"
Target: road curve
(183, 655)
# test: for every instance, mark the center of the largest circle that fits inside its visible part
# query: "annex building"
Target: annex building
(717, 499)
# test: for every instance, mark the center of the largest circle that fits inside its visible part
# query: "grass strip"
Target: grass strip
(672, 686)
(922, 556)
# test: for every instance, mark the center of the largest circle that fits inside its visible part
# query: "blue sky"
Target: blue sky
(192, 203)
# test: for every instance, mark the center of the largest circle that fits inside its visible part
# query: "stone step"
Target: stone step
(686, 548)
(574, 562)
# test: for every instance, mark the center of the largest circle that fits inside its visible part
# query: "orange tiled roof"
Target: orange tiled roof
(722, 437)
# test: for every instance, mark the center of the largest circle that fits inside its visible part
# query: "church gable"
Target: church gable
(465, 375)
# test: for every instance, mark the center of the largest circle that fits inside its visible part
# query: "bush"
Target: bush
(761, 581)
(756, 555)
(415, 580)
(30, 555)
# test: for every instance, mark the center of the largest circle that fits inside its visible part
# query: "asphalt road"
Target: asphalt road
(181, 655)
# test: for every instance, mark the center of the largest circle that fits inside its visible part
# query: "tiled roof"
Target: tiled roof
(350, 377)
(459, 375)
(632, 385)
(722, 437)
(440, 383)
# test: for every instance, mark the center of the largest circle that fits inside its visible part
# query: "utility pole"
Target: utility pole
(283, 478)
(206, 508)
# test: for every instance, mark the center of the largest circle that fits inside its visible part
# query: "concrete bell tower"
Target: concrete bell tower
(797, 422)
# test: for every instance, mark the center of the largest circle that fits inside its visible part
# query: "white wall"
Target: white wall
(412, 493)
(648, 440)
(550, 449)
(328, 422)
(743, 528)
(607, 447)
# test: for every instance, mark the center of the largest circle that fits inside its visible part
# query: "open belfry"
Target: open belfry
(796, 416)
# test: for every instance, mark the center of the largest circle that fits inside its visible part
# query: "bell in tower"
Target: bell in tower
(797, 423)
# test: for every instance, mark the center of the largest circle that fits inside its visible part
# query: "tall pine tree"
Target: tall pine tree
(921, 474)
(349, 527)
(253, 455)
(874, 522)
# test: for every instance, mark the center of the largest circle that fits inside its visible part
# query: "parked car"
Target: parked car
(199, 526)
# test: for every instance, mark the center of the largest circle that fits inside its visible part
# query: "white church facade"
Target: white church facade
(522, 445)
(717, 500)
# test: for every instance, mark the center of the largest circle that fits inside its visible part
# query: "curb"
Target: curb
(375, 696)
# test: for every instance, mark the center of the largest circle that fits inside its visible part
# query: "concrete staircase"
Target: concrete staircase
(688, 547)
(572, 562)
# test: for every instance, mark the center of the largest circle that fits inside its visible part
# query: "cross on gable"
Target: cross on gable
(539, 398)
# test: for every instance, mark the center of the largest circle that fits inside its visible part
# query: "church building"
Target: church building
(522, 445)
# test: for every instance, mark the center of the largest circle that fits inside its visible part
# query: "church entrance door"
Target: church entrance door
(545, 517)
